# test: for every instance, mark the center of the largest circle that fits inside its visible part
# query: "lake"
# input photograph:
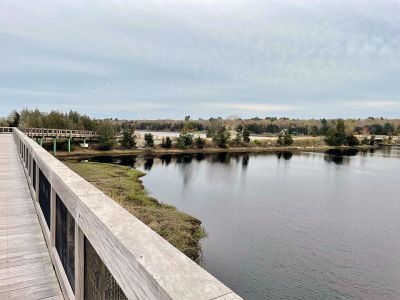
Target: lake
(290, 225)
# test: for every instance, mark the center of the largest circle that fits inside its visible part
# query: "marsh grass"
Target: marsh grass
(123, 185)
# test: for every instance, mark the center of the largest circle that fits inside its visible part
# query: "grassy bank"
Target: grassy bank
(123, 184)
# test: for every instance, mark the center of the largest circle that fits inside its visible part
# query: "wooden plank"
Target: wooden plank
(26, 271)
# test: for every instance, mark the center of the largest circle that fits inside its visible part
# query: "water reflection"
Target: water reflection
(148, 164)
(166, 159)
(298, 230)
(340, 156)
(287, 155)
(336, 156)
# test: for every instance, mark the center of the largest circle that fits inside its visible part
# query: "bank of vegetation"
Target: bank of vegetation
(231, 133)
(124, 186)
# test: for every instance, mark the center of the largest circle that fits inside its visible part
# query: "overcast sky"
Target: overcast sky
(166, 59)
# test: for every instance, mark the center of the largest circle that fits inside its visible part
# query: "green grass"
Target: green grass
(124, 186)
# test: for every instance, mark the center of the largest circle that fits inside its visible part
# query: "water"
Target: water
(291, 226)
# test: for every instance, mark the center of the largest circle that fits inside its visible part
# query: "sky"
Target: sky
(151, 59)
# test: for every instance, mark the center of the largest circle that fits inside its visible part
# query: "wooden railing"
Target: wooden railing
(6, 130)
(46, 132)
(98, 249)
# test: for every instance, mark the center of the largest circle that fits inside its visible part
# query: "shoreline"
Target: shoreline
(124, 186)
(161, 151)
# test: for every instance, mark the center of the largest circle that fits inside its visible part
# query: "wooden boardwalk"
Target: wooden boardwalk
(26, 271)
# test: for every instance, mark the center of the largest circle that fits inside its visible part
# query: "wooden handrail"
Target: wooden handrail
(143, 264)
(54, 132)
(6, 130)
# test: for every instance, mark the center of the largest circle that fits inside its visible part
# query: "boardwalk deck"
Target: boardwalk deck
(26, 271)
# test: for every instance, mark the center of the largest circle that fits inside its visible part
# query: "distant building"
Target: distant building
(365, 130)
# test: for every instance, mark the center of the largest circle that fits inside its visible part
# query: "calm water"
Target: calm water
(291, 226)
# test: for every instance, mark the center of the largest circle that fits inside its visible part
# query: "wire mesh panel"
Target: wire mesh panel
(65, 240)
(34, 174)
(44, 196)
(99, 283)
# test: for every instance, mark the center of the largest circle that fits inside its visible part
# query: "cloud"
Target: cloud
(267, 55)
(377, 104)
(252, 107)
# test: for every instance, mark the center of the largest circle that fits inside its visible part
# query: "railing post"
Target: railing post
(54, 145)
(69, 145)
(79, 263)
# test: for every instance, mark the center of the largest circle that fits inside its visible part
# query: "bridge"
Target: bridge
(62, 238)
(55, 134)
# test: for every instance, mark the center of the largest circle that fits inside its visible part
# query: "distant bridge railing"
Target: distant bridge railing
(58, 133)
(98, 249)
(6, 130)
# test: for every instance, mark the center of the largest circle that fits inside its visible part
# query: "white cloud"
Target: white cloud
(252, 107)
(179, 53)
(378, 104)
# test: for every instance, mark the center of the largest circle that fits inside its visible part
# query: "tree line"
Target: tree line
(231, 132)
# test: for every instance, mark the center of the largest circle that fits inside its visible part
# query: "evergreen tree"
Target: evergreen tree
(184, 140)
(128, 139)
(14, 119)
(246, 135)
(166, 143)
(221, 138)
(149, 140)
(106, 135)
(199, 142)
(284, 139)
(239, 133)
(352, 140)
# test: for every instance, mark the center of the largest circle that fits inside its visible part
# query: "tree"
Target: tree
(372, 141)
(284, 139)
(365, 141)
(184, 140)
(341, 132)
(337, 136)
(210, 131)
(106, 135)
(166, 143)
(246, 135)
(14, 119)
(352, 140)
(128, 139)
(149, 140)
(324, 127)
(388, 129)
(199, 142)
(221, 138)
(238, 137)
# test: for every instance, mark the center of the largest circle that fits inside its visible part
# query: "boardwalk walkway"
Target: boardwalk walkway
(26, 271)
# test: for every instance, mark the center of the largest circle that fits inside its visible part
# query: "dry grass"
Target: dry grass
(123, 184)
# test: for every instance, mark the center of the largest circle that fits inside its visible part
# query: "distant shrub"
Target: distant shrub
(128, 139)
(199, 142)
(149, 140)
(221, 138)
(184, 140)
(166, 143)
(352, 140)
(284, 140)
